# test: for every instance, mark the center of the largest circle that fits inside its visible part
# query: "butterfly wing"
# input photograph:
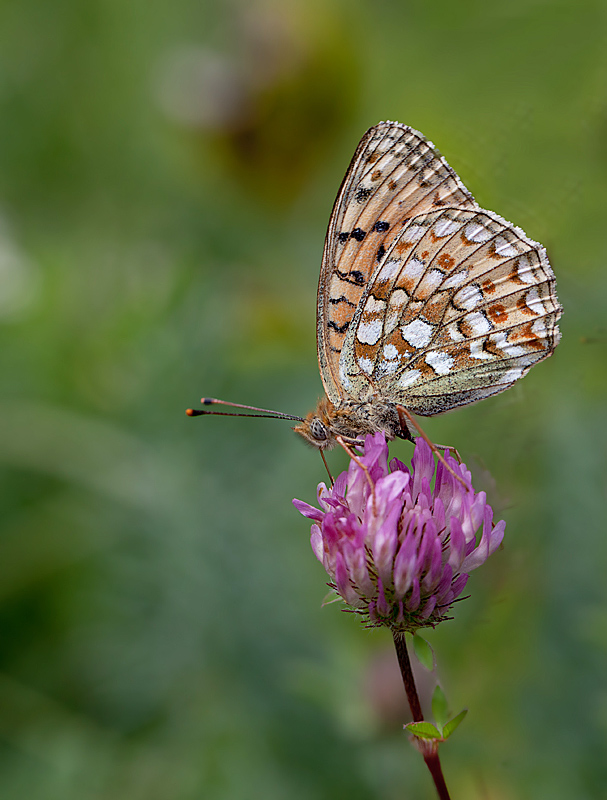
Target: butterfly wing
(461, 305)
(395, 175)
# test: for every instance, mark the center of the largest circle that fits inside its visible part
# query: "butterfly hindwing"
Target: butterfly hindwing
(461, 305)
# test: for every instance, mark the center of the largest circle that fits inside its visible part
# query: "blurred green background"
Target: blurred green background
(167, 171)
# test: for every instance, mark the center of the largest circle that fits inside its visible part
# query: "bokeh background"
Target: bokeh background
(167, 171)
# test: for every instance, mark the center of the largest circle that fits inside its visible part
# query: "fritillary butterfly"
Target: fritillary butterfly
(426, 301)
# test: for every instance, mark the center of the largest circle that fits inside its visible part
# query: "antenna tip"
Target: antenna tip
(207, 401)
(192, 412)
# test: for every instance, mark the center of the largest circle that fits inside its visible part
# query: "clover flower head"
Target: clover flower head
(397, 549)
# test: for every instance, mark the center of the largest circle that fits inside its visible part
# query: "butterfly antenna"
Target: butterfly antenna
(402, 412)
(261, 412)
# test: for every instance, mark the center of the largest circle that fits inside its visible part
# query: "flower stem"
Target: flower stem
(429, 752)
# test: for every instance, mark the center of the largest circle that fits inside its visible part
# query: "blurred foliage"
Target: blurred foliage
(166, 175)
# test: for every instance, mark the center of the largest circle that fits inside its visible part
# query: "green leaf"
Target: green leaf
(425, 730)
(424, 652)
(454, 723)
(440, 710)
(330, 597)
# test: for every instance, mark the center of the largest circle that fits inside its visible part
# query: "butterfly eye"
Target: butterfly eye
(318, 429)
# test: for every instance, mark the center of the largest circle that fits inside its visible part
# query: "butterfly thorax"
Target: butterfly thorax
(351, 421)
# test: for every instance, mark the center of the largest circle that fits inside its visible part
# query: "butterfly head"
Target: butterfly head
(318, 426)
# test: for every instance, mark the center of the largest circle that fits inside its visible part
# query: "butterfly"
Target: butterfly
(426, 301)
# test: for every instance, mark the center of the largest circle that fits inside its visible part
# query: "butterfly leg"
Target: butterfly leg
(405, 417)
(322, 455)
(341, 441)
(447, 447)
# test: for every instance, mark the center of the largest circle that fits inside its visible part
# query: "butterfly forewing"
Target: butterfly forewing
(396, 174)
